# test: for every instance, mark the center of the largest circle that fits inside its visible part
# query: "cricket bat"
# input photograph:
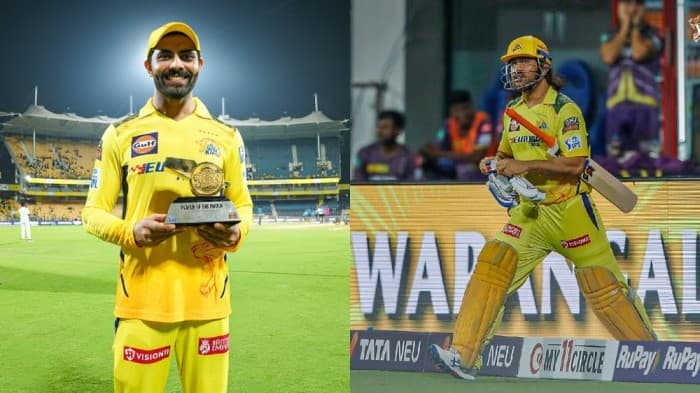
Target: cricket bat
(595, 175)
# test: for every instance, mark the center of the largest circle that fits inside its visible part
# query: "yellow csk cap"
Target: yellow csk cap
(527, 46)
(172, 27)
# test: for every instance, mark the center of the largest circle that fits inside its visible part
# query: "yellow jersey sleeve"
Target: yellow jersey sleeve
(104, 190)
(572, 135)
(237, 192)
(504, 144)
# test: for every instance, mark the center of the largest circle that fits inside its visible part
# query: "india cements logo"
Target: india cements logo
(213, 345)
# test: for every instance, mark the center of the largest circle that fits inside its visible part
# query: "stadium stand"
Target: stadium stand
(48, 209)
(52, 158)
(294, 207)
(8, 209)
(272, 158)
(292, 162)
(56, 211)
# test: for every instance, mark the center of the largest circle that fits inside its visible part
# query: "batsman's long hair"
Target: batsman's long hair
(555, 80)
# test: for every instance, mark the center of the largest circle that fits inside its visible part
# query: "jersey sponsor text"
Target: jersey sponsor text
(146, 356)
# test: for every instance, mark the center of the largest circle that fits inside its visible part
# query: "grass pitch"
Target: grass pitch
(289, 328)
(395, 382)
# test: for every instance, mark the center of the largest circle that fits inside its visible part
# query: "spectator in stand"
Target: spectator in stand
(464, 139)
(386, 159)
(633, 51)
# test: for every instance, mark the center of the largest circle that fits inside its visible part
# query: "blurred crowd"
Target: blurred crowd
(58, 211)
(53, 158)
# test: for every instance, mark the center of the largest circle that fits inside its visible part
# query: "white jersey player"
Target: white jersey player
(24, 223)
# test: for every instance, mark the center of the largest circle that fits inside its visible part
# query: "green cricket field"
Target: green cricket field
(401, 382)
(289, 327)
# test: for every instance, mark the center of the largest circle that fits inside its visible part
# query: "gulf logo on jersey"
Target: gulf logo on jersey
(144, 144)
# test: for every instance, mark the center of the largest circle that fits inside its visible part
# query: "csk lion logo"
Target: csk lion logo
(209, 256)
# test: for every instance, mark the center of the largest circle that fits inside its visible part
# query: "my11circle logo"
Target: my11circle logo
(549, 358)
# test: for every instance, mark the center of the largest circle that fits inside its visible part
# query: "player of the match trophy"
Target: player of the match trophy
(209, 205)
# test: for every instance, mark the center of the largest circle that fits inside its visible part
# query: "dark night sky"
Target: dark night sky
(266, 57)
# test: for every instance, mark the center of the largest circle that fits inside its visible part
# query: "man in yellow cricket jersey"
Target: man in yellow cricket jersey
(172, 285)
(565, 220)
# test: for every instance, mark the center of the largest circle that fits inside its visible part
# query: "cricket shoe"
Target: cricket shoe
(448, 360)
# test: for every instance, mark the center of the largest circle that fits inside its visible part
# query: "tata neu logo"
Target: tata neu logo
(144, 144)
(146, 356)
(577, 242)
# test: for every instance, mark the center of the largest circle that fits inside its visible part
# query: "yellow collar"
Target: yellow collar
(199, 109)
(550, 97)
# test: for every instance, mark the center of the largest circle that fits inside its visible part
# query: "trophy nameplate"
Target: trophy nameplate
(208, 206)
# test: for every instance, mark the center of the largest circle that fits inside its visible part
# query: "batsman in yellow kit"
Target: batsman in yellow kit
(172, 299)
(550, 210)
